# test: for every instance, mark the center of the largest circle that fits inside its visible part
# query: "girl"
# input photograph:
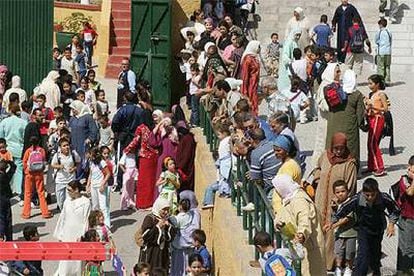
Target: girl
(141, 269)
(93, 84)
(96, 221)
(128, 165)
(67, 97)
(182, 243)
(90, 99)
(92, 267)
(169, 182)
(98, 183)
(195, 265)
(65, 163)
(377, 105)
(102, 105)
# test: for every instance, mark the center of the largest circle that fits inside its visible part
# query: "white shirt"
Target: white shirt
(70, 66)
(194, 84)
(299, 67)
(299, 100)
(128, 160)
(224, 147)
(63, 176)
(96, 174)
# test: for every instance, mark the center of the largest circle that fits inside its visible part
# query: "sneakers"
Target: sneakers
(207, 206)
(248, 208)
(338, 271)
(393, 19)
(347, 271)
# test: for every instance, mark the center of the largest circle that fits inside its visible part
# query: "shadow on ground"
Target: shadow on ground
(121, 222)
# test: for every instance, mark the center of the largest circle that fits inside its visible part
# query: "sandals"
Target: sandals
(379, 174)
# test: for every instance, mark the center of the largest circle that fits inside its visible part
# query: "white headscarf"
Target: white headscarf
(349, 81)
(159, 204)
(50, 89)
(16, 82)
(234, 83)
(299, 10)
(184, 31)
(285, 186)
(208, 45)
(252, 48)
(158, 113)
(328, 75)
(80, 107)
(14, 89)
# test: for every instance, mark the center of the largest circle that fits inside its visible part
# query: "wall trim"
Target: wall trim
(77, 6)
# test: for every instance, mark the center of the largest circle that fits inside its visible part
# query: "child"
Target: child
(282, 258)
(128, 165)
(223, 165)
(94, 84)
(272, 55)
(299, 102)
(345, 235)
(102, 105)
(195, 85)
(142, 269)
(55, 135)
(169, 183)
(26, 110)
(34, 160)
(96, 221)
(369, 206)
(69, 64)
(90, 99)
(92, 267)
(58, 112)
(405, 199)
(195, 265)
(105, 133)
(182, 243)
(29, 267)
(4, 153)
(80, 95)
(56, 58)
(97, 183)
(323, 33)
(65, 163)
(49, 116)
(199, 243)
(106, 156)
(81, 60)
(7, 170)
(89, 39)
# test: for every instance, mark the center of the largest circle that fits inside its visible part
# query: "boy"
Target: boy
(49, 116)
(299, 65)
(199, 243)
(81, 60)
(4, 153)
(33, 268)
(299, 102)
(272, 55)
(80, 95)
(58, 113)
(194, 86)
(69, 64)
(223, 164)
(323, 33)
(56, 58)
(383, 39)
(369, 207)
(105, 133)
(7, 169)
(405, 200)
(345, 235)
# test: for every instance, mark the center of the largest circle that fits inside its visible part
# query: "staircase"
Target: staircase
(274, 19)
(120, 36)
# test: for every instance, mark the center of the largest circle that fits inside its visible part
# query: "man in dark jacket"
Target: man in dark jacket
(7, 169)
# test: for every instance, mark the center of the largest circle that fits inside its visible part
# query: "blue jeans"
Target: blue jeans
(220, 186)
(195, 113)
(88, 46)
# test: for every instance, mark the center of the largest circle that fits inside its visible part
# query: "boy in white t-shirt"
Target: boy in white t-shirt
(65, 163)
(128, 165)
(299, 102)
(195, 94)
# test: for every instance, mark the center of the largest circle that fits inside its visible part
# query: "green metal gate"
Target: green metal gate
(151, 47)
(26, 39)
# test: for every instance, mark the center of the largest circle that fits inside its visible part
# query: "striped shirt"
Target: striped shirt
(264, 164)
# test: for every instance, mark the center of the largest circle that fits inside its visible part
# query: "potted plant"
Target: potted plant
(70, 25)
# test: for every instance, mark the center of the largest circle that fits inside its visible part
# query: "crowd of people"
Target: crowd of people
(66, 134)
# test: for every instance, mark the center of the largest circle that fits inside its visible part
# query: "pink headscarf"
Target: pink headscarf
(3, 68)
(285, 186)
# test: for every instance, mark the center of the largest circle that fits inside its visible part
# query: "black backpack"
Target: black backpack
(357, 41)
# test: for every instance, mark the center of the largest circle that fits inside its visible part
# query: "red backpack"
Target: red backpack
(36, 161)
(334, 95)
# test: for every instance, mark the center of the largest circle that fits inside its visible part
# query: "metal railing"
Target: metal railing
(244, 191)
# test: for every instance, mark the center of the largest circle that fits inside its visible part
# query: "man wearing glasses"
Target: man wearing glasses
(126, 82)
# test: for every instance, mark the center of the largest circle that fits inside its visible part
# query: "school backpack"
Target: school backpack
(357, 41)
(36, 161)
(334, 95)
(275, 264)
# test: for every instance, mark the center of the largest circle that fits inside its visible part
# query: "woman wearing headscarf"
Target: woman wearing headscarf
(207, 35)
(157, 234)
(250, 73)
(336, 163)
(214, 67)
(84, 131)
(50, 89)
(331, 74)
(3, 78)
(147, 166)
(283, 82)
(186, 151)
(349, 117)
(299, 21)
(300, 212)
(15, 88)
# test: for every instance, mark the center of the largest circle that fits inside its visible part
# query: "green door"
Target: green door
(151, 47)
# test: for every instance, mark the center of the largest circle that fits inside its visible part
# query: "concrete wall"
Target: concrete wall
(100, 17)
